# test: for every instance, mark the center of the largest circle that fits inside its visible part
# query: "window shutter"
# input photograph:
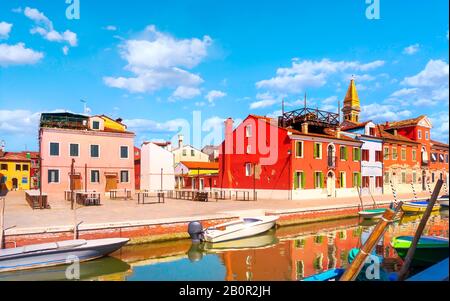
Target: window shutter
(359, 179)
(315, 151)
(315, 180)
(346, 153)
(295, 180)
(321, 180)
(303, 179)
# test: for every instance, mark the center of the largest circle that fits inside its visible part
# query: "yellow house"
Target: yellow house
(15, 170)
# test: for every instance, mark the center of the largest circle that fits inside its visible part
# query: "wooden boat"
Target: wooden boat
(443, 201)
(437, 272)
(330, 275)
(57, 253)
(260, 241)
(241, 228)
(372, 213)
(418, 207)
(430, 250)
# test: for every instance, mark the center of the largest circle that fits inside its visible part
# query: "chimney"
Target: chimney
(338, 132)
(395, 133)
(180, 141)
(305, 128)
(228, 150)
(119, 120)
(169, 146)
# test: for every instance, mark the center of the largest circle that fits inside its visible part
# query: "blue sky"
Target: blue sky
(153, 63)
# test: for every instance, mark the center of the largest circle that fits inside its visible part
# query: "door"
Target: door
(77, 183)
(193, 184)
(202, 184)
(372, 185)
(111, 183)
(15, 184)
(331, 184)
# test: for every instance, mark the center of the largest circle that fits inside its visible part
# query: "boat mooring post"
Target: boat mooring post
(2, 222)
(410, 255)
(353, 270)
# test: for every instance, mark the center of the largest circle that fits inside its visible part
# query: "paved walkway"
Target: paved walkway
(18, 213)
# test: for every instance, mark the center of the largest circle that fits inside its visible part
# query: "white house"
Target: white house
(371, 156)
(157, 171)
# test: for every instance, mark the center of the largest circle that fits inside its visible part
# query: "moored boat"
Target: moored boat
(430, 250)
(260, 241)
(372, 213)
(443, 201)
(57, 253)
(418, 207)
(244, 227)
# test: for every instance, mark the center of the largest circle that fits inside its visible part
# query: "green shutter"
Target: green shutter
(322, 184)
(295, 180)
(315, 179)
(346, 153)
(303, 179)
(315, 151)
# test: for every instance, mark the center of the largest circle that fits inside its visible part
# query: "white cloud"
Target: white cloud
(330, 100)
(381, 113)
(44, 27)
(111, 28)
(440, 130)
(65, 50)
(412, 49)
(183, 92)
(151, 126)
(5, 29)
(213, 95)
(304, 74)
(213, 123)
(18, 55)
(262, 103)
(158, 61)
(435, 74)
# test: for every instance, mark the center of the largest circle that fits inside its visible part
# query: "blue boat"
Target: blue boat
(437, 272)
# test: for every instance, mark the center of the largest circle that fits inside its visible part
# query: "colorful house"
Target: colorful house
(157, 172)
(137, 168)
(304, 154)
(187, 153)
(197, 175)
(15, 170)
(439, 162)
(101, 151)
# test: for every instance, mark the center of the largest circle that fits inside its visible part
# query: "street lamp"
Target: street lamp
(289, 153)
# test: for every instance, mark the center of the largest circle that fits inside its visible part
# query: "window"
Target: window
(317, 150)
(446, 158)
(24, 180)
(95, 151)
(124, 176)
(4, 167)
(25, 167)
(356, 154)
(300, 269)
(427, 136)
(74, 150)
(18, 167)
(414, 177)
(248, 131)
(299, 149)
(96, 125)
(299, 180)
(365, 182)
(53, 176)
(403, 154)
(433, 157)
(386, 153)
(54, 149)
(343, 153)
(432, 177)
(386, 178)
(378, 156)
(403, 177)
(394, 153)
(249, 149)
(192, 153)
(372, 131)
(248, 169)
(414, 154)
(318, 179)
(95, 176)
(356, 179)
(379, 182)
(184, 153)
(419, 134)
(124, 152)
(342, 179)
(365, 155)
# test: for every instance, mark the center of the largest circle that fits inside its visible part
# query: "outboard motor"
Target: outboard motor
(195, 230)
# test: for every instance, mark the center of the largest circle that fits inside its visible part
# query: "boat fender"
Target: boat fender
(195, 230)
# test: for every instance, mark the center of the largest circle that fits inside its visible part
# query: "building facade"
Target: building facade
(137, 168)
(157, 171)
(102, 154)
(15, 170)
(197, 175)
(187, 153)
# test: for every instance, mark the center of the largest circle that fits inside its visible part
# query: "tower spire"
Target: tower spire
(352, 106)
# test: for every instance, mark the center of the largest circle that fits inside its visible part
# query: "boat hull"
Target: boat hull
(215, 236)
(418, 207)
(372, 213)
(430, 250)
(91, 250)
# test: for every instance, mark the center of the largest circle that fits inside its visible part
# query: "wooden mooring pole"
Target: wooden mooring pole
(353, 270)
(410, 255)
(2, 222)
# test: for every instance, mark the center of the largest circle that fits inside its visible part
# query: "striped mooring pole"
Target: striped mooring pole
(429, 187)
(393, 192)
(414, 191)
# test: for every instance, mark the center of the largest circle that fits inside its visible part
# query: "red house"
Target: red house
(137, 168)
(301, 155)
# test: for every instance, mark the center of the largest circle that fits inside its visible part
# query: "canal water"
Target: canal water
(287, 253)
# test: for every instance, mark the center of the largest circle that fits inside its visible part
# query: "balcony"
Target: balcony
(332, 161)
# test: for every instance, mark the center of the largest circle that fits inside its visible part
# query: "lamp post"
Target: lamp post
(289, 152)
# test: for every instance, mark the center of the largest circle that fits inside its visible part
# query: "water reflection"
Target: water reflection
(289, 253)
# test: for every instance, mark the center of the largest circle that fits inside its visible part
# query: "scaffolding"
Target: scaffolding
(314, 117)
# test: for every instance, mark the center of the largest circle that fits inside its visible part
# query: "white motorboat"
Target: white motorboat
(443, 200)
(57, 253)
(244, 227)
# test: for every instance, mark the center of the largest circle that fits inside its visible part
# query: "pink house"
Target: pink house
(102, 150)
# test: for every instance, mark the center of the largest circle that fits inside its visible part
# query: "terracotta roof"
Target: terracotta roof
(355, 126)
(9, 156)
(166, 143)
(33, 155)
(200, 165)
(406, 122)
(399, 138)
(437, 143)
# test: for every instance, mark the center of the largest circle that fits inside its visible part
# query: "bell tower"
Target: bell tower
(351, 107)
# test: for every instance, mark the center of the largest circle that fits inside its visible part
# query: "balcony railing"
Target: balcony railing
(332, 161)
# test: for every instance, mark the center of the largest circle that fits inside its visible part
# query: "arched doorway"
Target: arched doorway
(15, 184)
(424, 175)
(331, 184)
(331, 155)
